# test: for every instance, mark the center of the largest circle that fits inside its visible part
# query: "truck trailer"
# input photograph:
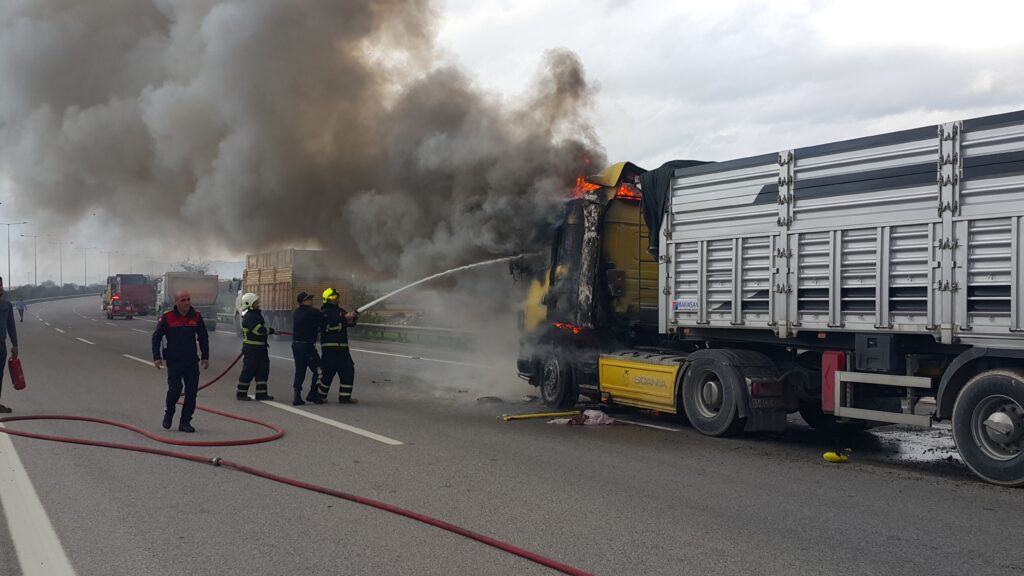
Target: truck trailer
(133, 288)
(203, 288)
(847, 281)
(278, 276)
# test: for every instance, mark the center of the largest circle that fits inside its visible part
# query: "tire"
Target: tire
(711, 393)
(988, 425)
(556, 386)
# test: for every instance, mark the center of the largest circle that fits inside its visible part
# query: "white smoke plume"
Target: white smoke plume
(254, 124)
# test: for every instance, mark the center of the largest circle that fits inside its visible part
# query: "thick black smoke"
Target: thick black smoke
(257, 124)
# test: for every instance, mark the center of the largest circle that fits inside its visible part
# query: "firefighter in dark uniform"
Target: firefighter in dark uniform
(305, 331)
(183, 327)
(336, 358)
(255, 354)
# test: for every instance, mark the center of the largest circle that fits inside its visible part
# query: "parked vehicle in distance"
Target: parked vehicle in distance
(120, 308)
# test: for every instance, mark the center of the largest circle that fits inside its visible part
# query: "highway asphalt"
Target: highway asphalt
(427, 436)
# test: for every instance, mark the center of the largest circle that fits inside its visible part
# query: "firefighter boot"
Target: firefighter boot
(167, 421)
(261, 391)
(242, 392)
(297, 399)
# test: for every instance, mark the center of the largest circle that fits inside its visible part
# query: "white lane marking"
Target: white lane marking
(110, 324)
(59, 330)
(93, 319)
(146, 320)
(84, 340)
(655, 426)
(47, 323)
(137, 330)
(137, 359)
(36, 543)
(336, 424)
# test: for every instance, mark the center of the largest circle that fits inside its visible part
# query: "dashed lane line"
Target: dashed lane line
(36, 544)
(59, 330)
(336, 424)
(137, 330)
(111, 324)
(84, 340)
(47, 323)
(137, 359)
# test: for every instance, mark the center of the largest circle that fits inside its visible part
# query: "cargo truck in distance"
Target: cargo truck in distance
(278, 276)
(846, 281)
(203, 289)
(129, 288)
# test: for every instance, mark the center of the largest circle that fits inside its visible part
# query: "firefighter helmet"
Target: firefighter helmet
(330, 295)
(248, 300)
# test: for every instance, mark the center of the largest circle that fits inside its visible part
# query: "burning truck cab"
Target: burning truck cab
(598, 292)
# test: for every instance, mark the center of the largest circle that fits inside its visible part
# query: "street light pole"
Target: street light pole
(35, 255)
(85, 258)
(60, 256)
(9, 224)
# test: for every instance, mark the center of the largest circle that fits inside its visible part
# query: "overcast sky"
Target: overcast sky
(702, 80)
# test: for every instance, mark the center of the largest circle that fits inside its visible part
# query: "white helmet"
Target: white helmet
(248, 299)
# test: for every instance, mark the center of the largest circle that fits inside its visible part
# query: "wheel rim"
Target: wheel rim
(997, 425)
(549, 383)
(709, 396)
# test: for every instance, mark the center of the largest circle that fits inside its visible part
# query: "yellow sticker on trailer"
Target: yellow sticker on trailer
(647, 381)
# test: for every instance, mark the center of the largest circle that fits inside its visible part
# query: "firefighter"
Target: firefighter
(255, 354)
(336, 358)
(182, 326)
(305, 331)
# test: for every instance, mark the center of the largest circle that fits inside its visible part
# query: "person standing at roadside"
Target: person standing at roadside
(7, 330)
(183, 327)
(21, 306)
(334, 346)
(305, 330)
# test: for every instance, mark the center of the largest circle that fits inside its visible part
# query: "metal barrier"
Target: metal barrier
(443, 337)
(426, 335)
(63, 297)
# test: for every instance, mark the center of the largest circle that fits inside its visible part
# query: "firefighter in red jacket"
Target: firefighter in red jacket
(183, 327)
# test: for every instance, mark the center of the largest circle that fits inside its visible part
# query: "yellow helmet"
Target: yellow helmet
(330, 294)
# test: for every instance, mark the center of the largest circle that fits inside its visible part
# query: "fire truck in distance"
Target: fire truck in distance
(875, 280)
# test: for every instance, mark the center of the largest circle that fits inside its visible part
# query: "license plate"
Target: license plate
(766, 403)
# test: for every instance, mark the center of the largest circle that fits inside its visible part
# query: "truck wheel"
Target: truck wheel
(711, 391)
(988, 425)
(556, 386)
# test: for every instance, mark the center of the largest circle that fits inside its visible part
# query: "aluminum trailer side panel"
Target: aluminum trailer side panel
(914, 232)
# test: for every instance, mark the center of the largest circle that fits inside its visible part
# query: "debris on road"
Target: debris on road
(588, 418)
(835, 457)
(507, 417)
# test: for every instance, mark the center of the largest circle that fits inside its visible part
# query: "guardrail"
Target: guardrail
(63, 297)
(431, 336)
(427, 335)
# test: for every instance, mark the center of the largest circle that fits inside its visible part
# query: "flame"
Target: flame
(627, 192)
(567, 327)
(582, 187)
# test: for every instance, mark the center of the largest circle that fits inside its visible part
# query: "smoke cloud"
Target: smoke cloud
(254, 124)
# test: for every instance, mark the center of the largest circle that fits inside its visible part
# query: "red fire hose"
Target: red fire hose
(278, 432)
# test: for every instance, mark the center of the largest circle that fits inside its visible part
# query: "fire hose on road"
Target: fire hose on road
(277, 433)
